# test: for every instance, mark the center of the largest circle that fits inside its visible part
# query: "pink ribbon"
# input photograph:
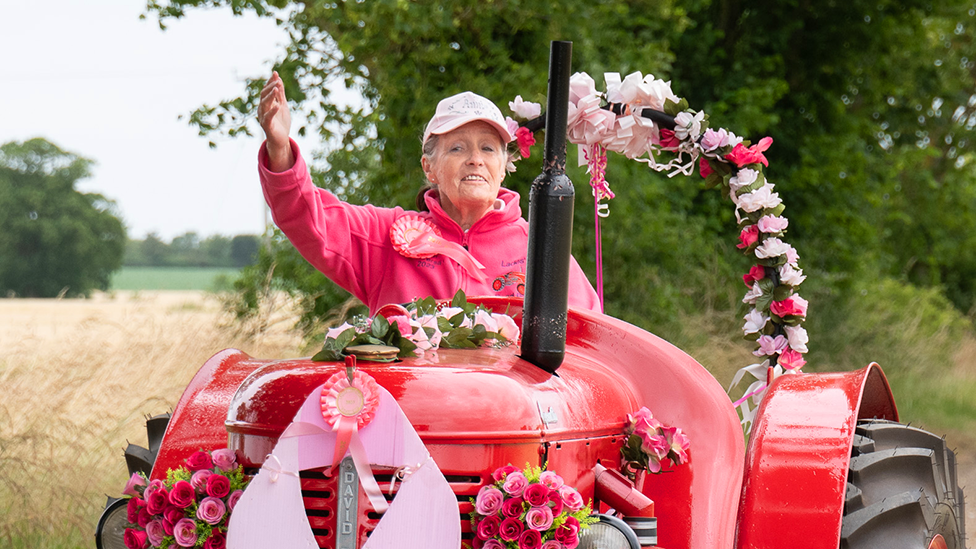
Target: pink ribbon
(749, 395)
(596, 159)
(431, 243)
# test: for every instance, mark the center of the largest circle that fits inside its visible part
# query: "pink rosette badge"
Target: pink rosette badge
(415, 237)
(349, 401)
(347, 406)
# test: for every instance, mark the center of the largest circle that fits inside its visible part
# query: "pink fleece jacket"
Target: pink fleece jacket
(351, 244)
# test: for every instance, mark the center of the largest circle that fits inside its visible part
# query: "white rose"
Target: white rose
(772, 247)
(524, 109)
(755, 321)
(761, 198)
(744, 178)
(506, 327)
(688, 126)
(451, 312)
(753, 294)
(334, 332)
(798, 338)
(483, 318)
(791, 276)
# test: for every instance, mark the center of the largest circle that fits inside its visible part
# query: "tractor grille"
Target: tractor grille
(323, 504)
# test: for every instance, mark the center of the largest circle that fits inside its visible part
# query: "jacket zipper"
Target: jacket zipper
(463, 274)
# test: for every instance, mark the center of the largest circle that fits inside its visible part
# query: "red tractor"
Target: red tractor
(826, 465)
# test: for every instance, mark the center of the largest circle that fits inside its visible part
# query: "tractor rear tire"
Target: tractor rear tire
(902, 490)
(113, 521)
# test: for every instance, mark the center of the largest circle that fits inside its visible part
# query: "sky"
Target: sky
(93, 79)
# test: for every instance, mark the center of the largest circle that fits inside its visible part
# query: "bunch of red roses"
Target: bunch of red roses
(191, 508)
(528, 509)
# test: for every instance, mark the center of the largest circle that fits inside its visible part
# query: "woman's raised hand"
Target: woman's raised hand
(275, 120)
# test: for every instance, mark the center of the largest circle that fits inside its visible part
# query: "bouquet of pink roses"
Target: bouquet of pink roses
(528, 509)
(191, 508)
(649, 442)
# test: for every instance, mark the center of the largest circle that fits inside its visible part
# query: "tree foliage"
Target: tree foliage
(870, 102)
(54, 240)
(188, 250)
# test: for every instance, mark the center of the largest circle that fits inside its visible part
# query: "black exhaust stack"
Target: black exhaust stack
(550, 229)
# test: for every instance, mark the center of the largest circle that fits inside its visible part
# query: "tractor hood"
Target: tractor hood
(485, 396)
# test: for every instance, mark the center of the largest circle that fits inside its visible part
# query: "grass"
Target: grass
(173, 278)
(78, 378)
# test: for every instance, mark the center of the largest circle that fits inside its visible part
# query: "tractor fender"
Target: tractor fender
(198, 421)
(695, 502)
(798, 456)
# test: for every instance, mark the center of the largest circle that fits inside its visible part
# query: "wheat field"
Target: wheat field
(78, 377)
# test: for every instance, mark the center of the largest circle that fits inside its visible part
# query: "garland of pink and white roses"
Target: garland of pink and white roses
(629, 119)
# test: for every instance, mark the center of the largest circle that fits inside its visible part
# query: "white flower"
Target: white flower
(451, 312)
(772, 247)
(448, 312)
(525, 109)
(506, 327)
(744, 178)
(791, 276)
(483, 318)
(755, 321)
(759, 199)
(734, 140)
(644, 92)
(768, 345)
(658, 92)
(798, 338)
(334, 332)
(773, 223)
(792, 257)
(420, 338)
(688, 126)
(753, 294)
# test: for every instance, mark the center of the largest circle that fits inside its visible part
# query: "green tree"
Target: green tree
(244, 249)
(216, 250)
(862, 97)
(133, 254)
(54, 240)
(155, 251)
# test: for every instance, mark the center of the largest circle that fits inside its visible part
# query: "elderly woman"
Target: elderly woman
(469, 234)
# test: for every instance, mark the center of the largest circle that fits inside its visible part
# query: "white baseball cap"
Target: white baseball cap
(457, 110)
